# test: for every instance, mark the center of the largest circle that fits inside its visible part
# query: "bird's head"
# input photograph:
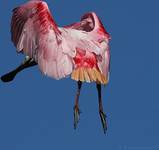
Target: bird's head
(87, 22)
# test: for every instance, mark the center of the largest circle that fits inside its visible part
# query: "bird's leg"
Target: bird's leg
(101, 112)
(76, 107)
(28, 62)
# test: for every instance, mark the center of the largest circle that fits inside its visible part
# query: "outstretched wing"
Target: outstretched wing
(28, 22)
(96, 39)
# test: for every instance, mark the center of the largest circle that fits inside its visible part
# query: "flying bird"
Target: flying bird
(80, 50)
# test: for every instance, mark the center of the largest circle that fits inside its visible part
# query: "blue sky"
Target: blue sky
(36, 112)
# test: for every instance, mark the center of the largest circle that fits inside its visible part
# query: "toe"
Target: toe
(103, 120)
(76, 116)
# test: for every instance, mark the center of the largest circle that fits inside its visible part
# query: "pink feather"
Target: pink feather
(56, 49)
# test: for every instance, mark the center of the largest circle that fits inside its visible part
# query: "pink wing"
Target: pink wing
(28, 22)
(98, 34)
(35, 33)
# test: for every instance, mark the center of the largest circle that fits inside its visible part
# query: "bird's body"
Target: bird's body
(80, 49)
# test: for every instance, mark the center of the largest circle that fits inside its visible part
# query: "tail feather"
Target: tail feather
(88, 75)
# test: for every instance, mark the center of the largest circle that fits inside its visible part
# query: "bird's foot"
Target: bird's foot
(76, 116)
(103, 120)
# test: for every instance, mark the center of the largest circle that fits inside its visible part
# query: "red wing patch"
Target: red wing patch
(85, 59)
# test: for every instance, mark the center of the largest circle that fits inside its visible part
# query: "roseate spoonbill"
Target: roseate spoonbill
(80, 49)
